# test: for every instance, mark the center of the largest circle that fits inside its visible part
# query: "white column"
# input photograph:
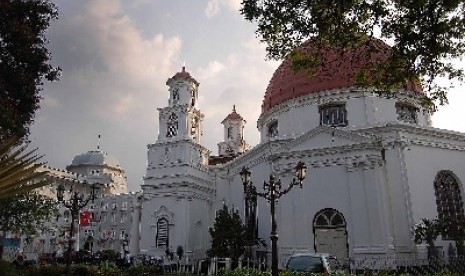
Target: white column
(134, 246)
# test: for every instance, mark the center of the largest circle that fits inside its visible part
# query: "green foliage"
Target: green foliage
(455, 229)
(245, 271)
(106, 270)
(6, 269)
(228, 235)
(428, 231)
(109, 255)
(141, 270)
(24, 61)
(18, 168)
(26, 212)
(426, 34)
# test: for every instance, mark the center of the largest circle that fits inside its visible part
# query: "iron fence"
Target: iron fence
(373, 265)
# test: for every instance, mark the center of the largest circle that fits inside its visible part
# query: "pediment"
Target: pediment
(163, 212)
(327, 137)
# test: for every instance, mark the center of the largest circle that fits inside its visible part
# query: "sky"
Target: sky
(116, 56)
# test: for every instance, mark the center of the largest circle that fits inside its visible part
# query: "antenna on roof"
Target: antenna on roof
(98, 142)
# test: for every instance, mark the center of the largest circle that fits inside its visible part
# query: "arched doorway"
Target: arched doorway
(329, 228)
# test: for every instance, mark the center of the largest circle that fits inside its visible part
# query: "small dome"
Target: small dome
(233, 116)
(182, 75)
(95, 157)
(337, 70)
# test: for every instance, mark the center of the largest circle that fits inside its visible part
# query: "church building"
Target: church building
(375, 168)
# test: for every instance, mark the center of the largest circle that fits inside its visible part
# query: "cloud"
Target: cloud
(213, 69)
(234, 5)
(214, 7)
(113, 78)
(242, 82)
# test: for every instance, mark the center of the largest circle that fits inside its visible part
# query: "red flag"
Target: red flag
(85, 218)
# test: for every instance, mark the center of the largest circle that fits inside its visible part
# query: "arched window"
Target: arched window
(273, 130)
(162, 238)
(172, 126)
(328, 218)
(448, 200)
(406, 113)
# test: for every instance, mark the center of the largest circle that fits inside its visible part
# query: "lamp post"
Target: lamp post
(272, 192)
(76, 202)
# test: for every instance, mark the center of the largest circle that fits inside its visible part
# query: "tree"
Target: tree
(228, 236)
(24, 61)
(426, 35)
(428, 231)
(25, 212)
(18, 168)
(455, 229)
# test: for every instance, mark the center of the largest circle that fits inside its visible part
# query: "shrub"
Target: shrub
(7, 269)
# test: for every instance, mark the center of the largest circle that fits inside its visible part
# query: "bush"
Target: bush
(7, 269)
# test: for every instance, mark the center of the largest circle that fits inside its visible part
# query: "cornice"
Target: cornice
(406, 134)
(336, 95)
(336, 132)
(179, 194)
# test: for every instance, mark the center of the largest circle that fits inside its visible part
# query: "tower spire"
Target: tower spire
(98, 142)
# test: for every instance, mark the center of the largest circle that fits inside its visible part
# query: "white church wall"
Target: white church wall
(423, 164)
(399, 196)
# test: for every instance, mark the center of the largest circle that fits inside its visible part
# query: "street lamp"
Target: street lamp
(125, 247)
(272, 192)
(76, 202)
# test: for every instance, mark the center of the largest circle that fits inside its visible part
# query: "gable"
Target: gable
(326, 137)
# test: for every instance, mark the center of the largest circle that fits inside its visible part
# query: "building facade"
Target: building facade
(376, 167)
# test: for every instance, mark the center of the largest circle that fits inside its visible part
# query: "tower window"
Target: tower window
(194, 125)
(172, 126)
(192, 97)
(333, 115)
(230, 131)
(406, 113)
(175, 95)
(273, 129)
(162, 233)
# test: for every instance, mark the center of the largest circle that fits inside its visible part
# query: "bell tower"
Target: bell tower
(181, 119)
(234, 143)
(177, 190)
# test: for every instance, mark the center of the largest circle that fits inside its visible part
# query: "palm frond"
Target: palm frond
(18, 167)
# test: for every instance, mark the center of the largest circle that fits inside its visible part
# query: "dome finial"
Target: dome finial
(234, 108)
(98, 142)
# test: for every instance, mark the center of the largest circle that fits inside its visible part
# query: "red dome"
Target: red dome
(182, 75)
(337, 70)
(233, 116)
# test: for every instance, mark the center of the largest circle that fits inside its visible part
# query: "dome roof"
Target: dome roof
(337, 70)
(182, 75)
(95, 157)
